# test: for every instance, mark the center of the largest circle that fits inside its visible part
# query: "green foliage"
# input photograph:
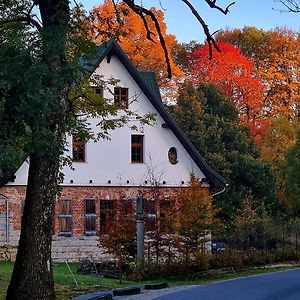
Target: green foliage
(293, 172)
(212, 124)
(279, 139)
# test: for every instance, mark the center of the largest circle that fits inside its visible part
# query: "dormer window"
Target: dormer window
(79, 154)
(121, 97)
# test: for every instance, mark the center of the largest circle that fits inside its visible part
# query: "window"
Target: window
(172, 155)
(107, 214)
(90, 217)
(121, 97)
(137, 148)
(65, 217)
(98, 90)
(78, 150)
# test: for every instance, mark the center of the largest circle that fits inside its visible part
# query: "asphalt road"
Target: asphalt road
(275, 286)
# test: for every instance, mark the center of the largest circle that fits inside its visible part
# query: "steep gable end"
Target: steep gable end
(145, 81)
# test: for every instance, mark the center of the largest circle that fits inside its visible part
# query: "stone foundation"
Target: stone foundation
(8, 253)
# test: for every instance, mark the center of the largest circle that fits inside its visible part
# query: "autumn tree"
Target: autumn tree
(129, 29)
(233, 73)
(276, 143)
(120, 240)
(41, 50)
(292, 172)
(196, 219)
(276, 57)
(212, 124)
(181, 53)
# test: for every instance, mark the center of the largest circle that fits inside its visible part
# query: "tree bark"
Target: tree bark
(32, 276)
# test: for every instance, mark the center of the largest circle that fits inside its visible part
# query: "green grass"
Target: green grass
(64, 282)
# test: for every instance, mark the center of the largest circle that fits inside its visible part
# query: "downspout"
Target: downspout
(7, 217)
(222, 191)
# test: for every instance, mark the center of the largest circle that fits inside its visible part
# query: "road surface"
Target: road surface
(284, 285)
(275, 286)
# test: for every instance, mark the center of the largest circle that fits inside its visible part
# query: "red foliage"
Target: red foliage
(233, 74)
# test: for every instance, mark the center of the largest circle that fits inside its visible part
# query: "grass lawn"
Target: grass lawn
(64, 283)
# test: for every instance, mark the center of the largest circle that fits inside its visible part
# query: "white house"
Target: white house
(113, 170)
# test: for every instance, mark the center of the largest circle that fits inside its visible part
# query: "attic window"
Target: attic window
(98, 90)
(121, 97)
(172, 155)
(78, 150)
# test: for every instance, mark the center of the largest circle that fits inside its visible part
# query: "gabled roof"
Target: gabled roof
(151, 81)
(110, 48)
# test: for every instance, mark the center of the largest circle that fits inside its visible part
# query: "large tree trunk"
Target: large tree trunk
(32, 276)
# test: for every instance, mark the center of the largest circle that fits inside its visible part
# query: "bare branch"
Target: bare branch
(117, 12)
(212, 4)
(77, 5)
(142, 12)
(290, 5)
(210, 40)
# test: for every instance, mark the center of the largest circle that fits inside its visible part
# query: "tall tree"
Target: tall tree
(233, 73)
(293, 172)
(45, 113)
(278, 140)
(276, 56)
(211, 123)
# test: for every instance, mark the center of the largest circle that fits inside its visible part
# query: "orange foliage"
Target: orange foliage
(276, 56)
(279, 66)
(128, 28)
(233, 73)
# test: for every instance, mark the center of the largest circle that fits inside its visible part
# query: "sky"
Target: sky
(181, 22)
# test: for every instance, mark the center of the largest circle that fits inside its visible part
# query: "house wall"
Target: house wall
(110, 160)
(107, 172)
(78, 246)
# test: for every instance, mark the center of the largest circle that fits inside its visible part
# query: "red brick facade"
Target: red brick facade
(78, 196)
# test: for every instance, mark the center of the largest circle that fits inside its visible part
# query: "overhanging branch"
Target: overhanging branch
(22, 19)
(290, 5)
(212, 4)
(143, 12)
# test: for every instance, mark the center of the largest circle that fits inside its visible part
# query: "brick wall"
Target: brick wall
(78, 245)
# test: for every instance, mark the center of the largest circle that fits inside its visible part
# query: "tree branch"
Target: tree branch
(212, 4)
(27, 19)
(291, 5)
(142, 12)
(209, 37)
